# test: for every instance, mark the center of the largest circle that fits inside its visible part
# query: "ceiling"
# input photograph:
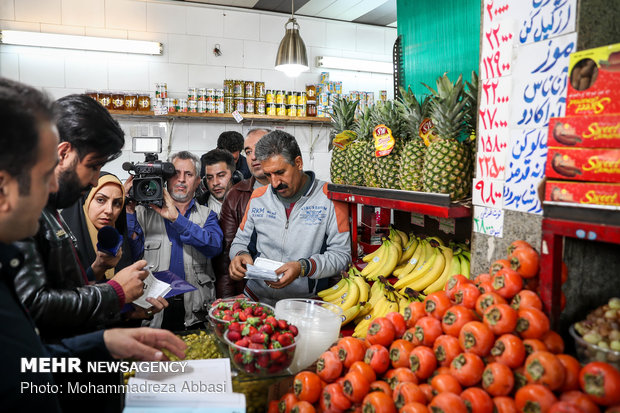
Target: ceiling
(374, 12)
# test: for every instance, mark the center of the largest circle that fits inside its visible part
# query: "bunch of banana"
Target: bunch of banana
(436, 263)
(383, 300)
(383, 260)
(350, 293)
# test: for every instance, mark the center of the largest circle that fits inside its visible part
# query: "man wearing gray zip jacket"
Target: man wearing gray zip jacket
(293, 221)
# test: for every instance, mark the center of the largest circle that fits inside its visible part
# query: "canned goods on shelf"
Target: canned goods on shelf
(229, 105)
(163, 93)
(249, 105)
(270, 109)
(280, 109)
(229, 87)
(291, 98)
(118, 101)
(301, 98)
(259, 106)
(202, 93)
(238, 88)
(182, 105)
(270, 96)
(210, 106)
(192, 106)
(338, 88)
(383, 95)
(291, 110)
(202, 106)
(192, 94)
(172, 105)
(158, 102)
(259, 90)
(320, 111)
(370, 98)
(301, 110)
(219, 95)
(323, 99)
(239, 105)
(324, 77)
(280, 97)
(219, 106)
(157, 90)
(210, 94)
(249, 90)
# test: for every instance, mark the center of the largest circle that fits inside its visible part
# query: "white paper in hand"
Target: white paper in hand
(263, 269)
(153, 288)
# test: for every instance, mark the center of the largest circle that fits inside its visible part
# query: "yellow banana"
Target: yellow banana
(392, 258)
(408, 250)
(433, 274)
(369, 257)
(333, 289)
(455, 268)
(337, 296)
(364, 288)
(438, 240)
(407, 280)
(378, 259)
(417, 256)
(350, 313)
(364, 311)
(395, 237)
(403, 236)
(352, 297)
(440, 282)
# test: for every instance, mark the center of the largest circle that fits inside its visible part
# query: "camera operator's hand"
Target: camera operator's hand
(104, 262)
(130, 206)
(237, 268)
(169, 211)
(130, 279)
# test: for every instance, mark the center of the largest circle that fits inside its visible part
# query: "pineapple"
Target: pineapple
(357, 160)
(343, 119)
(412, 158)
(448, 162)
(388, 114)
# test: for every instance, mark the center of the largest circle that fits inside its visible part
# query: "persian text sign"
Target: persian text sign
(497, 45)
(546, 19)
(489, 221)
(488, 192)
(526, 168)
(540, 75)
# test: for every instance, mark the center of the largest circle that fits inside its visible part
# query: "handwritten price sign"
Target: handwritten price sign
(489, 221)
(488, 192)
(547, 19)
(540, 79)
(526, 168)
(497, 44)
(497, 10)
(493, 132)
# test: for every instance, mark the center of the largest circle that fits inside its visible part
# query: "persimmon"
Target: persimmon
(509, 350)
(532, 323)
(477, 400)
(448, 403)
(355, 386)
(466, 295)
(398, 320)
(486, 300)
(543, 367)
(600, 381)
(467, 368)
(581, 400)
(378, 402)
(399, 353)
(507, 283)
(500, 318)
(453, 283)
(307, 386)
(446, 348)
(407, 392)
(436, 304)
(377, 357)
(553, 341)
(328, 366)
(455, 318)
(572, 368)
(504, 404)
(526, 298)
(381, 331)
(350, 350)
(413, 313)
(446, 383)
(534, 398)
(422, 362)
(497, 379)
(475, 337)
(525, 261)
(427, 329)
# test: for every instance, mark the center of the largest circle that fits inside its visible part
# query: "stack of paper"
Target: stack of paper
(263, 269)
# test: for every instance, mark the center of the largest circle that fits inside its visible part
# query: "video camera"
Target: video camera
(150, 176)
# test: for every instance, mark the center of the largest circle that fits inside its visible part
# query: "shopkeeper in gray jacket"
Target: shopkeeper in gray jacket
(291, 220)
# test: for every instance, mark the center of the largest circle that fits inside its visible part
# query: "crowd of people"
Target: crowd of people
(61, 294)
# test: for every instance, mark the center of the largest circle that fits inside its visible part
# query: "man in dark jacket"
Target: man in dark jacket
(53, 284)
(27, 163)
(232, 214)
(232, 142)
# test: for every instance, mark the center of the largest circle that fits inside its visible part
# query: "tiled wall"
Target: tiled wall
(189, 32)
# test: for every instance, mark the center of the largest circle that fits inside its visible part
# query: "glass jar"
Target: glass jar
(118, 101)
(92, 94)
(131, 101)
(144, 102)
(105, 98)
(311, 108)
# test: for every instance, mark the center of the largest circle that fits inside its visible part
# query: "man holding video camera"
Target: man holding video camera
(180, 236)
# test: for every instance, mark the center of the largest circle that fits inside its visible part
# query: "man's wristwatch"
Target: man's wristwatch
(305, 267)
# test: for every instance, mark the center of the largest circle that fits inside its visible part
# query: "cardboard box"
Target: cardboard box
(594, 81)
(589, 193)
(582, 164)
(595, 131)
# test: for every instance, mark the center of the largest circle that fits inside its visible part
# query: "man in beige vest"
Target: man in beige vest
(182, 237)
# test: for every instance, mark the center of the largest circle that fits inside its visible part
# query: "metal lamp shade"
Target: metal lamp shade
(292, 58)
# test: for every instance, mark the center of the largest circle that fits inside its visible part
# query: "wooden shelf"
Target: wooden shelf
(226, 117)
(427, 203)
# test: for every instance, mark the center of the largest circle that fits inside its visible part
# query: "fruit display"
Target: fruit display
(458, 351)
(200, 345)
(431, 144)
(598, 336)
(224, 312)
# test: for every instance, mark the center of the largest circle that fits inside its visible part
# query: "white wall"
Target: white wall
(189, 32)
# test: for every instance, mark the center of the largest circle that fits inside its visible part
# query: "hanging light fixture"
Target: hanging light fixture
(292, 58)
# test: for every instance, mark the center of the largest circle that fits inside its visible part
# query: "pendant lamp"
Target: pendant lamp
(292, 58)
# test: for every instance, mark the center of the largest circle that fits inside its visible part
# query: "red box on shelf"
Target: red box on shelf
(375, 224)
(594, 81)
(587, 193)
(595, 131)
(582, 164)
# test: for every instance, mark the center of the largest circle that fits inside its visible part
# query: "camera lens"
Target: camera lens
(148, 188)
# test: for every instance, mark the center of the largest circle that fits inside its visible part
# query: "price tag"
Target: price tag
(488, 192)
(160, 110)
(447, 225)
(237, 116)
(497, 44)
(417, 219)
(489, 221)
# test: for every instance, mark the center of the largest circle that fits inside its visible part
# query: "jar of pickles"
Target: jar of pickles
(259, 106)
(259, 90)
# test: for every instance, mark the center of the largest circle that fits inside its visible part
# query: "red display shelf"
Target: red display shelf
(437, 205)
(560, 221)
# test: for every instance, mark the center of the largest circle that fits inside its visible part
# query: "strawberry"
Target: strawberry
(236, 305)
(227, 317)
(275, 355)
(249, 368)
(244, 342)
(282, 324)
(285, 339)
(263, 361)
(234, 335)
(275, 368)
(235, 326)
(258, 311)
(256, 346)
(293, 330)
(238, 357)
(266, 328)
(271, 320)
(259, 338)
(263, 316)
(241, 316)
(248, 311)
